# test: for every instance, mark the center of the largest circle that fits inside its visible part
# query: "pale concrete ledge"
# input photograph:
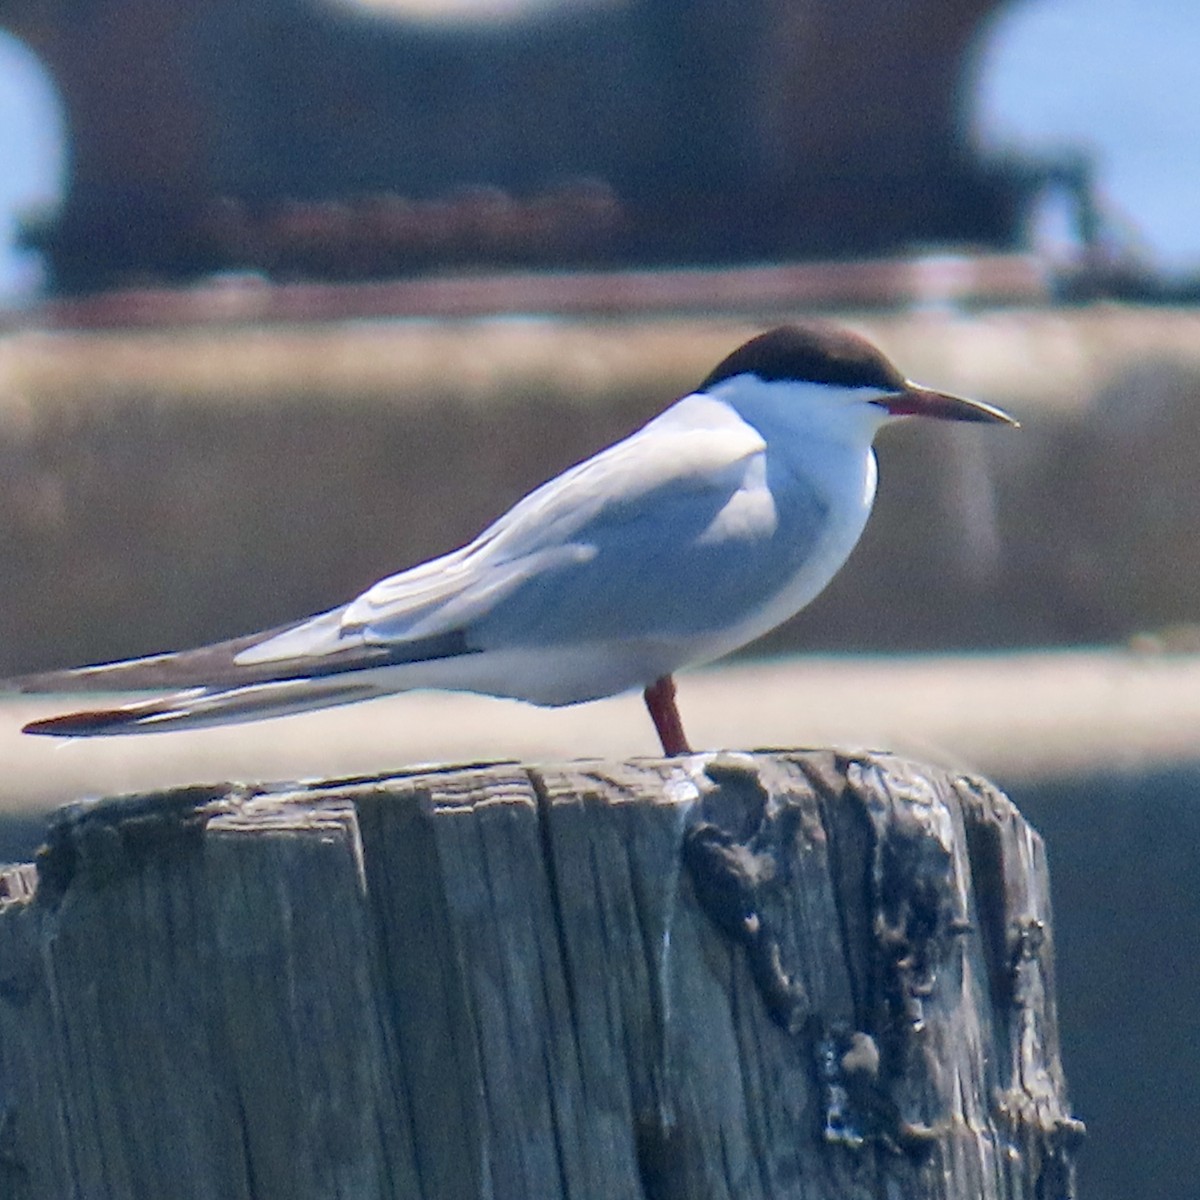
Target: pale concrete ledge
(1011, 716)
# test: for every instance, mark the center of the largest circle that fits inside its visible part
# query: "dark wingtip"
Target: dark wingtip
(83, 724)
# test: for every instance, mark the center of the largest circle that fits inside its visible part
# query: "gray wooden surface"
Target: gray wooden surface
(788, 975)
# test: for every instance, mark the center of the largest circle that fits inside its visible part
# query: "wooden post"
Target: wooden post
(752, 977)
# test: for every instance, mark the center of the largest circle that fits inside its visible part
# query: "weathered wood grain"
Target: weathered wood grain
(793, 975)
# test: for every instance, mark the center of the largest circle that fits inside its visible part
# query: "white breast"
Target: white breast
(820, 437)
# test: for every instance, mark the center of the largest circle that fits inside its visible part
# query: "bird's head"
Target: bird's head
(837, 376)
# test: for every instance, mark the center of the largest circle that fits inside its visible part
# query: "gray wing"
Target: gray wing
(616, 546)
(693, 565)
(587, 551)
(677, 530)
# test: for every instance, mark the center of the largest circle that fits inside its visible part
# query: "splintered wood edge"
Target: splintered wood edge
(305, 804)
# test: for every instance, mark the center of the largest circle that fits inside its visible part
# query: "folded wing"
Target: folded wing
(653, 497)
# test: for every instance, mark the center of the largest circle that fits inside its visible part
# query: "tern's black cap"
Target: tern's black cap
(813, 352)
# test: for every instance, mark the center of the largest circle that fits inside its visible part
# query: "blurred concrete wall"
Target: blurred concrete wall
(159, 489)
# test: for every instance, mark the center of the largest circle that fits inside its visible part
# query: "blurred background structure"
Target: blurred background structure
(343, 139)
(301, 292)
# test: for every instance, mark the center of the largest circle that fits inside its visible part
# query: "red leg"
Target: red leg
(660, 700)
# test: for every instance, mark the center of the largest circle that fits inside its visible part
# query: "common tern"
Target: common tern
(710, 525)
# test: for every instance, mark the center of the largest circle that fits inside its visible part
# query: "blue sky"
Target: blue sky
(32, 156)
(1115, 76)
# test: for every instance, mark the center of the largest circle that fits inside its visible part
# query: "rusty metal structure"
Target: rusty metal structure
(311, 139)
